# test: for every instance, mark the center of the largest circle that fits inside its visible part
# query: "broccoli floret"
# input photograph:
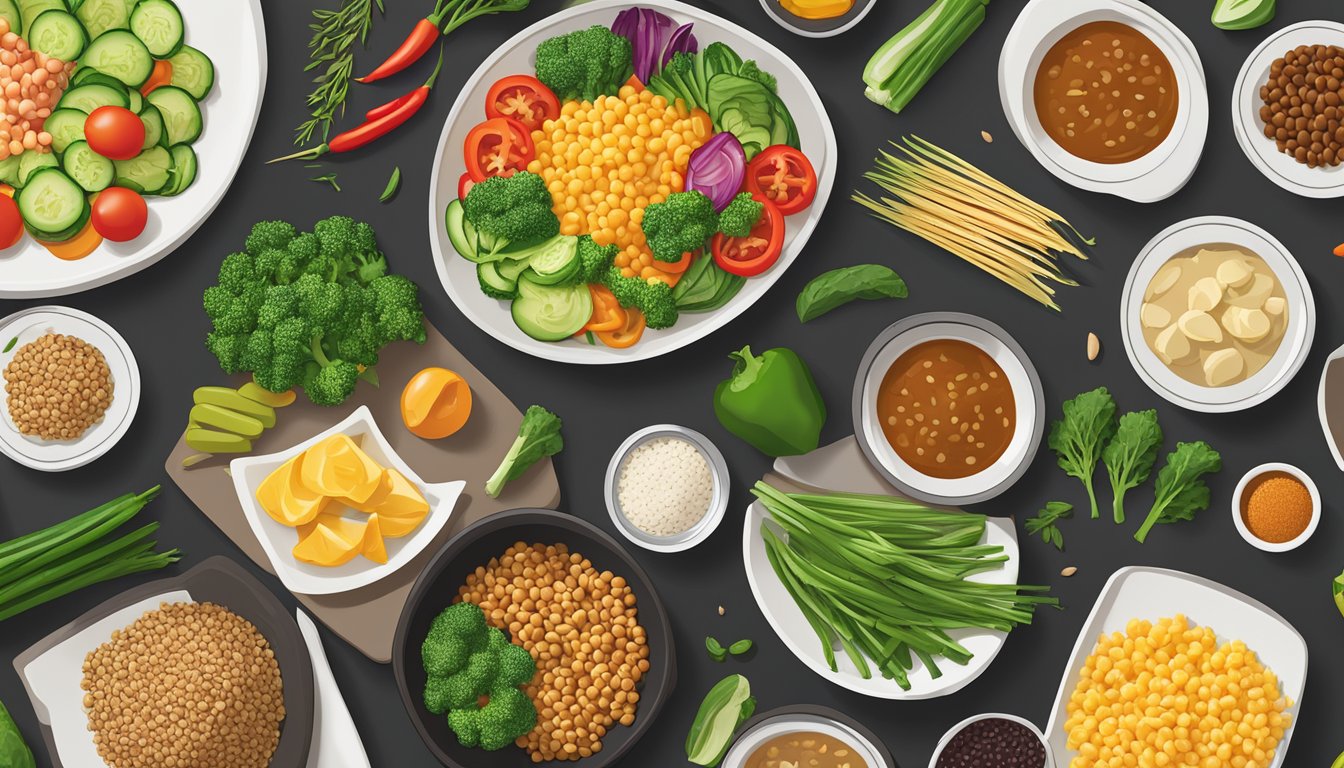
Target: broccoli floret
(538, 437)
(652, 297)
(594, 259)
(740, 215)
(510, 210)
(679, 80)
(465, 660)
(269, 235)
(396, 305)
(584, 64)
(679, 225)
(752, 71)
(349, 247)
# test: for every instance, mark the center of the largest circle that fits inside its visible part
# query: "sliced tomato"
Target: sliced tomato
(626, 335)
(500, 146)
(759, 250)
(784, 176)
(464, 185)
(523, 98)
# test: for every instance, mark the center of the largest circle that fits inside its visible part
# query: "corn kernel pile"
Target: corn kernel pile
(605, 161)
(1167, 694)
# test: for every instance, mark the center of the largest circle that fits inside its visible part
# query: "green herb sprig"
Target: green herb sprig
(1045, 523)
(393, 184)
(331, 49)
(1130, 455)
(1077, 439)
(1180, 491)
(328, 178)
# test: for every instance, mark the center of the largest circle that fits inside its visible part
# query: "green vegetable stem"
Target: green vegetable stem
(725, 708)
(14, 753)
(838, 287)
(906, 62)
(1181, 491)
(1077, 439)
(538, 437)
(1130, 455)
(771, 402)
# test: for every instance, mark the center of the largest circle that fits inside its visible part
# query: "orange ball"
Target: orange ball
(435, 403)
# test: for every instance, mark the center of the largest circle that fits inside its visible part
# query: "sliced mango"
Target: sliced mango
(370, 504)
(273, 487)
(373, 546)
(299, 503)
(403, 509)
(327, 546)
(338, 467)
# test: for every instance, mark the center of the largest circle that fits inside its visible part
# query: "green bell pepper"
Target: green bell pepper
(771, 402)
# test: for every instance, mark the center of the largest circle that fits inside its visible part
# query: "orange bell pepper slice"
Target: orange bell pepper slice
(162, 74)
(628, 334)
(675, 267)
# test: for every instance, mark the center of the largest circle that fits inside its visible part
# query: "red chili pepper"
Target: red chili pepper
(416, 44)
(391, 106)
(391, 115)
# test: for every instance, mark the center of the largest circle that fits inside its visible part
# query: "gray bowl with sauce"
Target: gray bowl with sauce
(718, 502)
(807, 719)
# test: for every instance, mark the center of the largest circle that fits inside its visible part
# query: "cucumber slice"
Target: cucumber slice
(158, 24)
(494, 284)
(549, 312)
(154, 133)
(58, 34)
(147, 172)
(181, 116)
(455, 223)
(99, 16)
(33, 161)
(556, 263)
(120, 54)
(193, 72)
(66, 126)
(31, 9)
(134, 100)
(90, 170)
(184, 170)
(512, 268)
(51, 203)
(87, 98)
(9, 171)
(86, 74)
(9, 10)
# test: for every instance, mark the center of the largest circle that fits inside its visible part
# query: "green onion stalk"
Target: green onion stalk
(906, 62)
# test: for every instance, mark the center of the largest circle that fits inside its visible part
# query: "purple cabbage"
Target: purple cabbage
(717, 168)
(653, 41)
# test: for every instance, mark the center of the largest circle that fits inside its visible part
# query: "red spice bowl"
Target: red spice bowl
(1269, 507)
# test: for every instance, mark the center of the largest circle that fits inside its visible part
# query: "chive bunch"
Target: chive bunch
(44, 565)
(887, 578)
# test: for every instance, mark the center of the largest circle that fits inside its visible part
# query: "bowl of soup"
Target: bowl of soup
(806, 736)
(948, 408)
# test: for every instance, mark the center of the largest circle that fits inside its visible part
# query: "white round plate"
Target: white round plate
(792, 628)
(1263, 153)
(60, 455)
(1292, 351)
(233, 36)
(817, 27)
(1155, 176)
(516, 56)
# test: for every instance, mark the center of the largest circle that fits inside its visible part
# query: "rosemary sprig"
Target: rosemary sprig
(1045, 521)
(331, 49)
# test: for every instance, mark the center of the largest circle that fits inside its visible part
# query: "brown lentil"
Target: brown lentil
(1302, 99)
(58, 387)
(188, 685)
(581, 627)
(1276, 507)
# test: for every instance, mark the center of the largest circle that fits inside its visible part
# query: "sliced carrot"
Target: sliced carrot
(607, 312)
(628, 334)
(634, 82)
(162, 74)
(77, 247)
(675, 267)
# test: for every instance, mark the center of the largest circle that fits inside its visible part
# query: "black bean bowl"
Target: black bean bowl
(437, 587)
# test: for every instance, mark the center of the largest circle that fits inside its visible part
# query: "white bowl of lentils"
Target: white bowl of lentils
(667, 488)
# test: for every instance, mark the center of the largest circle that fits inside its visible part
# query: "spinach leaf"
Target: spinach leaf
(1180, 491)
(1130, 455)
(14, 753)
(1089, 421)
(838, 287)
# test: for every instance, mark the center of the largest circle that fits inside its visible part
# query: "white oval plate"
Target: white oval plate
(792, 628)
(1140, 592)
(516, 56)
(277, 540)
(1263, 153)
(232, 34)
(60, 455)
(1155, 176)
(1292, 351)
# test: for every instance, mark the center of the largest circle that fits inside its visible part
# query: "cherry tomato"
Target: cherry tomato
(11, 222)
(500, 146)
(114, 132)
(782, 175)
(523, 98)
(464, 185)
(758, 251)
(119, 214)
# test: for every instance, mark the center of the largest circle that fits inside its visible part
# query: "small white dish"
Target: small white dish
(1264, 154)
(61, 455)
(336, 742)
(1240, 520)
(817, 28)
(781, 723)
(1152, 177)
(1027, 396)
(1293, 348)
(1141, 592)
(959, 727)
(278, 540)
(718, 503)
(790, 625)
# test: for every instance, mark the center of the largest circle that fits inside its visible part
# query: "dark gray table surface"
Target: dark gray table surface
(159, 313)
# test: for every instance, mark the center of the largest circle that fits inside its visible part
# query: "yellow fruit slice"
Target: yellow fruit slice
(286, 499)
(376, 498)
(373, 546)
(403, 501)
(337, 467)
(273, 487)
(326, 547)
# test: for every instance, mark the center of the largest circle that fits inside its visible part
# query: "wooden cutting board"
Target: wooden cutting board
(367, 617)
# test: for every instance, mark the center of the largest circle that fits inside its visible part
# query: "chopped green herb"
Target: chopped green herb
(740, 647)
(393, 184)
(591, 339)
(1077, 439)
(716, 650)
(329, 178)
(1045, 521)
(11, 343)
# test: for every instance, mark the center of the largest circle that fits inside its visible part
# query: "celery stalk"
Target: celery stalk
(906, 62)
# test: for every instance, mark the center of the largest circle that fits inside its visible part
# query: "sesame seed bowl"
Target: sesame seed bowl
(673, 531)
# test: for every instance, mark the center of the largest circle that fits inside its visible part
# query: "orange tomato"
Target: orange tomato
(435, 403)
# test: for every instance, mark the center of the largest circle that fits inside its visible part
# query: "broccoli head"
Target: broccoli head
(594, 259)
(269, 235)
(679, 225)
(349, 248)
(652, 297)
(466, 661)
(585, 64)
(740, 215)
(509, 210)
(538, 437)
